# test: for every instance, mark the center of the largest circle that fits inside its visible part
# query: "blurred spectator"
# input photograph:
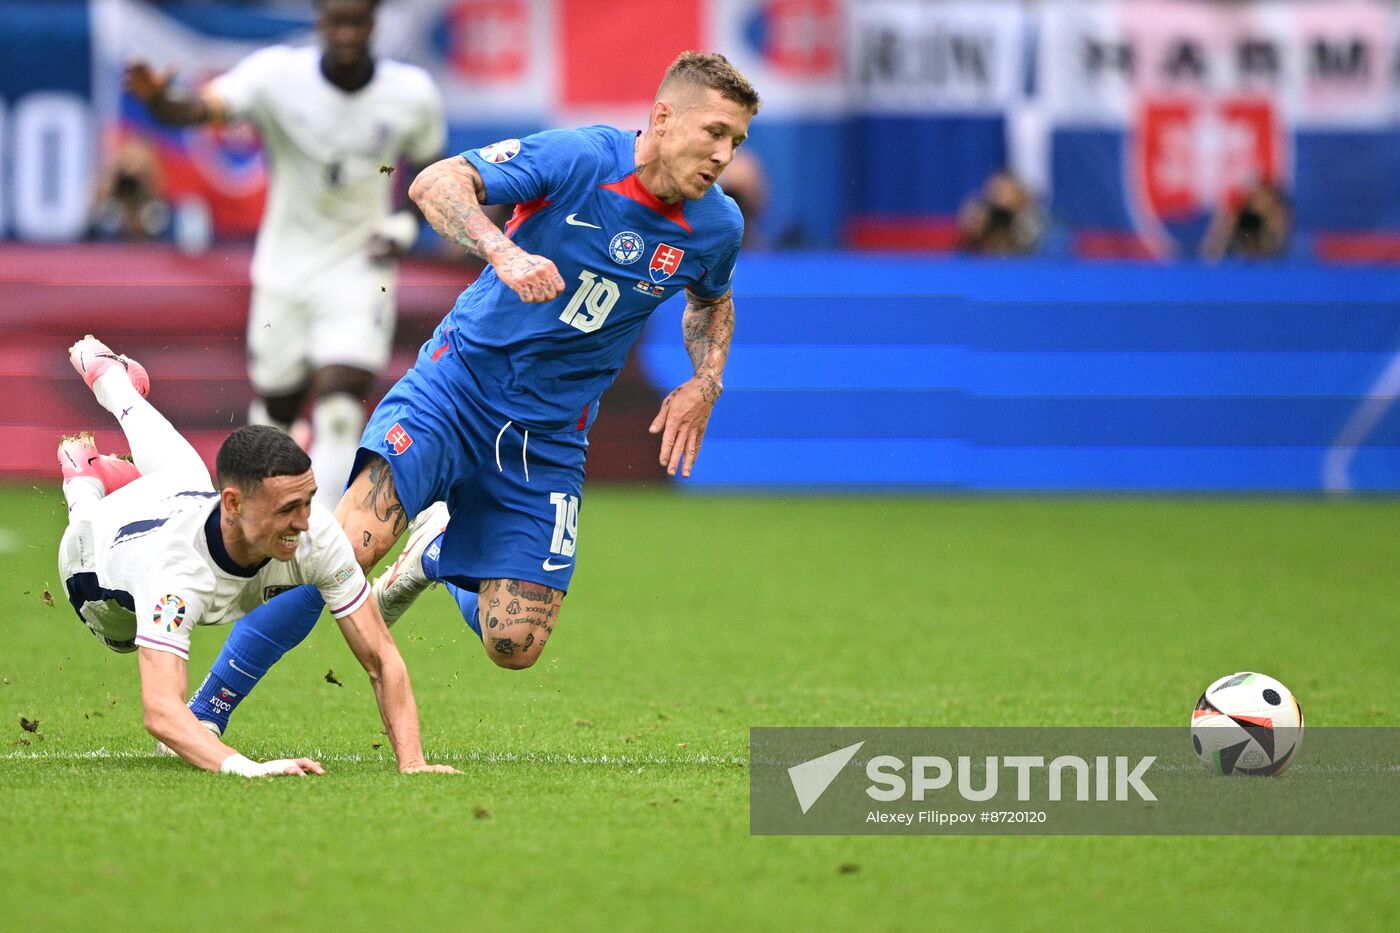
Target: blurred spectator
(1258, 228)
(745, 182)
(128, 204)
(1001, 220)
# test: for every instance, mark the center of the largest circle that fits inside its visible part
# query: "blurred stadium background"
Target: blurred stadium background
(995, 245)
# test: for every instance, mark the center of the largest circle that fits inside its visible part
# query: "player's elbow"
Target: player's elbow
(384, 666)
(422, 186)
(158, 721)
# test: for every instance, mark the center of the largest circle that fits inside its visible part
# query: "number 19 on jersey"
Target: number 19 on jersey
(589, 306)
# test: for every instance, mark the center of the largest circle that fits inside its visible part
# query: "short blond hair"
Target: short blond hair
(710, 70)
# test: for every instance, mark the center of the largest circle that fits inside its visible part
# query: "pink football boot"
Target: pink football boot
(78, 456)
(91, 358)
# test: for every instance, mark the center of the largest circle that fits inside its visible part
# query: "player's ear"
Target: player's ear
(231, 501)
(662, 113)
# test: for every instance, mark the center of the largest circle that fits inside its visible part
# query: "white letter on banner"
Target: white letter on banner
(882, 769)
(52, 166)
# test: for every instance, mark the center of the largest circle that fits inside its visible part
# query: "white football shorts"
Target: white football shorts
(340, 319)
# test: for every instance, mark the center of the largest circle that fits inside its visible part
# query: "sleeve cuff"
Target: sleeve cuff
(352, 605)
(159, 644)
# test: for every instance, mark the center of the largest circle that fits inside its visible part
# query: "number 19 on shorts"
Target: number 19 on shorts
(565, 523)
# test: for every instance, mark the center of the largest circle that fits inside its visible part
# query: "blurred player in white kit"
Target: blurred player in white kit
(153, 549)
(335, 122)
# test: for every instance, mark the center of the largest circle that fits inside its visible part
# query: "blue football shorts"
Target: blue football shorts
(513, 494)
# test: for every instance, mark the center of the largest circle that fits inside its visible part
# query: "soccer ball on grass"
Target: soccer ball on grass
(1247, 723)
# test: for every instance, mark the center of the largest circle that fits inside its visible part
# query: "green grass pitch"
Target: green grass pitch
(607, 787)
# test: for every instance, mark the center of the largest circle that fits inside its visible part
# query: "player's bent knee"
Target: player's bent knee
(517, 617)
(516, 647)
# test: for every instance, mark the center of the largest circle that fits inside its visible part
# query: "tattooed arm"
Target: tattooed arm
(708, 326)
(450, 194)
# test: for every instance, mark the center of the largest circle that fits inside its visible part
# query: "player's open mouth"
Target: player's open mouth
(288, 540)
(707, 178)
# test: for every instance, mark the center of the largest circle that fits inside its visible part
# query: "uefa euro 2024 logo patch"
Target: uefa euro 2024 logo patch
(626, 248)
(170, 612)
(503, 151)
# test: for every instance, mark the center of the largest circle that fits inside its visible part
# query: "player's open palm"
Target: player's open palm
(681, 423)
(429, 769)
(145, 82)
(534, 278)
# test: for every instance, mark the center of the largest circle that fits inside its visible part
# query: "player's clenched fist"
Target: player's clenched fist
(533, 278)
(144, 82)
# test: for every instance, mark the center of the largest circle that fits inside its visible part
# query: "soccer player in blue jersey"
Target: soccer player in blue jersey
(490, 426)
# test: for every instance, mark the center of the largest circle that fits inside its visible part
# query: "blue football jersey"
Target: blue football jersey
(620, 251)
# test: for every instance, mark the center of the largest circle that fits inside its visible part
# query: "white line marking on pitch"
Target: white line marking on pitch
(624, 761)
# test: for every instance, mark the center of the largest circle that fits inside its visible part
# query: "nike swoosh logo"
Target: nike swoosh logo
(550, 565)
(572, 221)
(239, 669)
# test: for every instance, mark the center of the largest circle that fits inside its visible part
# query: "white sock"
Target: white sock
(337, 420)
(155, 444)
(82, 490)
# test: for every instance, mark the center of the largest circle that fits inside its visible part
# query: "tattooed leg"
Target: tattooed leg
(516, 620)
(371, 514)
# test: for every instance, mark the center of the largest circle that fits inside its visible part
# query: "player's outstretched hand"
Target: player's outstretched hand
(681, 423)
(429, 769)
(145, 82)
(292, 767)
(534, 278)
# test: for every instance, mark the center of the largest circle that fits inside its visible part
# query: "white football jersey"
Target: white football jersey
(329, 155)
(155, 547)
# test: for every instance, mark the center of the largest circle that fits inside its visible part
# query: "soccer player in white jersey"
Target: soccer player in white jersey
(153, 549)
(334, 122)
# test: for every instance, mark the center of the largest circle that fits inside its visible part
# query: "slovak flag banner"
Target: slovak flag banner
(1167, 114)
(664, 262)
(221, 166)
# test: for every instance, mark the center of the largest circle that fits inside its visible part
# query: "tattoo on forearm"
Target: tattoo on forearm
(383, 498)
(708, 328)
(452, 204)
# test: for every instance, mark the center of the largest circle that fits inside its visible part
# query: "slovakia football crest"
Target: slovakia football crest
(398, 439)
(664, 262)
(503, 151)
(626, 248)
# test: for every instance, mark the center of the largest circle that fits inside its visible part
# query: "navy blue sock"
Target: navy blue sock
(257, 642)
(466, 601)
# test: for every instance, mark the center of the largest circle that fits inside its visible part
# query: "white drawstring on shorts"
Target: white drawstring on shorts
(524, 451)
(499, 468)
